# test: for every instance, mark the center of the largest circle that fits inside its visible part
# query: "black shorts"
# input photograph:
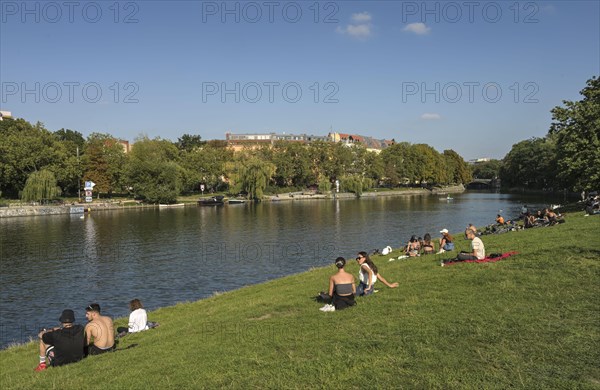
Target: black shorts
(93, 350)
(342, 302)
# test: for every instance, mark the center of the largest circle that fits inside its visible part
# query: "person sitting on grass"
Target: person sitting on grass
(368, 275)
(500, 219)
(446, 243)
(413, 248)
(473, 228)
(138, 319)
(99, 333)
(428, 246)
(61, 345)
(477, 248)
(341, 288)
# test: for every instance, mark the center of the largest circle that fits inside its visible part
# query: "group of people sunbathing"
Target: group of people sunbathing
(543, 217)
(426, 246)
(71, 342)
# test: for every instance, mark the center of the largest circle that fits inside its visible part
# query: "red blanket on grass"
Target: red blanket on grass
(484, 260)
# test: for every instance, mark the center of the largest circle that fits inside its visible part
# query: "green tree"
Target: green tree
(292, 163)
(355, 183)
(104, 162)
(40, 185)
(25, 148)
(400, 163)
(576, 129)
(487, 169)
(457, 170)
(153, 171)
(250, 174)
(205, 164)
(530, 163)
(188, 142)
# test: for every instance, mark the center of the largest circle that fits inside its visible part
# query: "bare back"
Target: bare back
(100, 332)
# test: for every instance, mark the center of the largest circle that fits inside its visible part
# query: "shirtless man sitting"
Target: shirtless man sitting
(99, 333)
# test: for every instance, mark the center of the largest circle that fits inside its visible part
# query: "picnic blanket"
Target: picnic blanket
(488, 259)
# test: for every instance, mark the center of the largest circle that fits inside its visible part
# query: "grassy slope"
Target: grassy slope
(530, 321)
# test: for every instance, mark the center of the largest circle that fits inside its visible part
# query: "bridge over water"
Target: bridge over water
(484, 184)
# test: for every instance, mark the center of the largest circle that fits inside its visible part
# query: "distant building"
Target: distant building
(479, 160)
(5, 114)
(126, 146)
(254, 140)
(370, 143)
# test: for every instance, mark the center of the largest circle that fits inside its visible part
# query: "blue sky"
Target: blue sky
(474, 78)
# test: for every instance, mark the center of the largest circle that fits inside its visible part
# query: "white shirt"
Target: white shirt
(364, 275)
(477, 246)
(138, 321)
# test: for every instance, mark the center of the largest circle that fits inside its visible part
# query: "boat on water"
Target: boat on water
(236, 201)
(164, 206)
(447, 198)
(212, 201)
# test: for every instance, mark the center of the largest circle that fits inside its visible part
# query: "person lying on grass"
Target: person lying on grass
(341, 288)
(368, 275)
(61, 345)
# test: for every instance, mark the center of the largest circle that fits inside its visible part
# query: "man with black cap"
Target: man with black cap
(63, 344)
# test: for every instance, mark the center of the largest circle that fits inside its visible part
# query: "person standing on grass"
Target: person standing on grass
(477, 248)
(99, 333)
(63, 344)
(368, 275)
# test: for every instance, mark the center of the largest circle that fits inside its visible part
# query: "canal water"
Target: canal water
(175, 255)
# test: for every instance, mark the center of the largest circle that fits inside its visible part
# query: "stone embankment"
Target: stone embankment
(31, 211)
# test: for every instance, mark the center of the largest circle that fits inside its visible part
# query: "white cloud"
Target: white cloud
(417, 28)
(431, 116)
(362, 17)
(360, 28)
(360, 31)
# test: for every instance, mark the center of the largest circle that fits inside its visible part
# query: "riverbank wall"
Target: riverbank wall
(33, 211)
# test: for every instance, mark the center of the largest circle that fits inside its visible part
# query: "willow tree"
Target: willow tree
(251, 175)
(40, 185)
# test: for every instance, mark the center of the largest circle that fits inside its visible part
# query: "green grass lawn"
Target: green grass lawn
(531, 321)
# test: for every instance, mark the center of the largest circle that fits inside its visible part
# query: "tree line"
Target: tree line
(36, 163)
